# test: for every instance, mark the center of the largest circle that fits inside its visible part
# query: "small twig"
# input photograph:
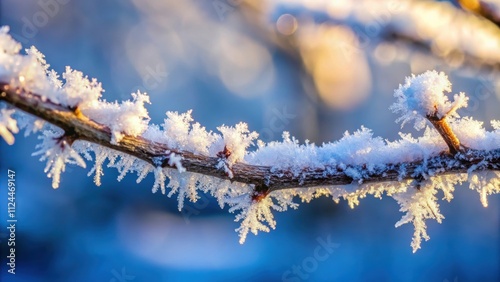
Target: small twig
(444, 129)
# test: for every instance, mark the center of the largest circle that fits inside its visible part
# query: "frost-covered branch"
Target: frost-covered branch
(266, 178)
(77, 124)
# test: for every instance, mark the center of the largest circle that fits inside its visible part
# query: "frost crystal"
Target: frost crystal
(8, 45)
(128, 117)
(57, 152)
(420, 203)
(232, 146)
(101, 154)
(29, 123)
(253, 216)
(496, 124)
(175, 161)
(237, 140)
(160, 179)
(424, 95)
(485, 183)
(8, 125)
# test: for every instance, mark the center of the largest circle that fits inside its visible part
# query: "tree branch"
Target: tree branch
(78, 127)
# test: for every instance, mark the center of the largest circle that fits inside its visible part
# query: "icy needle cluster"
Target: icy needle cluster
(358, 156)
(424, 96)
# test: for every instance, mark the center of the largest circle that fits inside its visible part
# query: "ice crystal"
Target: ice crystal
(57, 152)
(424, 95)
(8, 125)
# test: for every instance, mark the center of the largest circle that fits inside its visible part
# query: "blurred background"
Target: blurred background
(315, 68)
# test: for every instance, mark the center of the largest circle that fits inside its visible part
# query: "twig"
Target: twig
(263, 178)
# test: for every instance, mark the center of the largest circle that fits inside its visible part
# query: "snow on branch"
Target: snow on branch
(76, 124)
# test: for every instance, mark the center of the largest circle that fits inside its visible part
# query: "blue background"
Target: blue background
(81, 232)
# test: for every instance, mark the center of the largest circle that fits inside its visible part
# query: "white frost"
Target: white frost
(424, 95)
(8, 125)
(419, 202)
(57, 153)
(237, 140)
(485, 183)
(128, 117)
